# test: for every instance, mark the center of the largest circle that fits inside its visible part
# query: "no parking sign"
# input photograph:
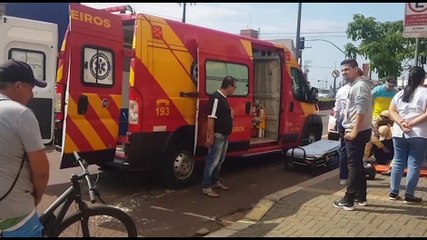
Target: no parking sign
(415, 23)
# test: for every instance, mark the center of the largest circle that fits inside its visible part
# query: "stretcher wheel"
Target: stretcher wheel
(288, 165)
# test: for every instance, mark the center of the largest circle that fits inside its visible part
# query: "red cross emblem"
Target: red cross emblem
(157, 32)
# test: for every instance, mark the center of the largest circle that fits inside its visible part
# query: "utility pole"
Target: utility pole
(299, 51)
(183, 12)
(416, 51)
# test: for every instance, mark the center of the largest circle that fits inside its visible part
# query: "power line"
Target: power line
(331, 67)
(308, 36)
(292, 36)
(293, 33)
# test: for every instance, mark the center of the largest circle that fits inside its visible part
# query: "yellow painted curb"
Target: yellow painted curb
(260, 210)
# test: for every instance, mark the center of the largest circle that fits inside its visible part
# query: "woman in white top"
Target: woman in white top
(408, 109)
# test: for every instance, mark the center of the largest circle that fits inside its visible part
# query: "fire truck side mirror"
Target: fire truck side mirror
(314, 95)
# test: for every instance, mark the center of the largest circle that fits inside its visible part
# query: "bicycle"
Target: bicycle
(110, 220)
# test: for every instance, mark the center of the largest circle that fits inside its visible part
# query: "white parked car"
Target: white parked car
(323, 95)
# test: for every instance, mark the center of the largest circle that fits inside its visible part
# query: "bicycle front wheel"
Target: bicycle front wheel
(102, 221)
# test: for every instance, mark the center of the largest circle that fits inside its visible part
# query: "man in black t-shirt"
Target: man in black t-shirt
(220, 124)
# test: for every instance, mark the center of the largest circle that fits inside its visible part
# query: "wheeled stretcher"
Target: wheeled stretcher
(316, 154)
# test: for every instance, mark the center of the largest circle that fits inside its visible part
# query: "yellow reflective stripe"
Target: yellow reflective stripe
(103, 114)
(59, 73)
(70, 146)
(63, 44)
(84, 127)
(136, 45)
(117, 100)
(248, 47)
(308, 108)
(131, 77)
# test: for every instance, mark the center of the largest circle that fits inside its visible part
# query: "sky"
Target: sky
(325, 21)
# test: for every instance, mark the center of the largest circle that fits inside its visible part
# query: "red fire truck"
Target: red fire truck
(163, 72)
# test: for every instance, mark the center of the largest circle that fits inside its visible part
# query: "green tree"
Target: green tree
(383, 44)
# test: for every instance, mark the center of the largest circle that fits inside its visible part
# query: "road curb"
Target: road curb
(266, 203)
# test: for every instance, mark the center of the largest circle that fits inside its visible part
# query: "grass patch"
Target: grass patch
(326, 99)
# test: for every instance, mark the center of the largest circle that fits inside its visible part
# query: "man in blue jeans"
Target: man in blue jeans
(220, 124)
(340, 100)
(343, 165)
(357, 125)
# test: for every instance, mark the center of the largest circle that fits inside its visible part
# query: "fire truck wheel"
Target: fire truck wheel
(179, 171)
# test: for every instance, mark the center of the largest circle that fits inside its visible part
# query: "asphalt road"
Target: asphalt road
(159, 211)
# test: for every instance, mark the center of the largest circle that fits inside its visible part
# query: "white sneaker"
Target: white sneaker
(360, 203)
(344, 205)
(343, 182)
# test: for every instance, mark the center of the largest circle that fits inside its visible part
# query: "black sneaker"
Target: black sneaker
(393, 196)
(361, 202)
(344, 205)
(413, 199)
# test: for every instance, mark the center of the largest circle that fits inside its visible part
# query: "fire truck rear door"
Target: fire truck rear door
(94, 85)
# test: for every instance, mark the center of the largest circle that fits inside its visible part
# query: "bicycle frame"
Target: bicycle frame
(72, 194)
(55, 224)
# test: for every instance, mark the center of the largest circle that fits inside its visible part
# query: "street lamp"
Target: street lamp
(335, 73)
(333, 44)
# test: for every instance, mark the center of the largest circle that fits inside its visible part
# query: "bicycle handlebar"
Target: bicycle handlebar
(84, 165)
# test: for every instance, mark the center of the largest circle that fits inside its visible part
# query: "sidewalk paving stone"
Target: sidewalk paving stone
(306, 210)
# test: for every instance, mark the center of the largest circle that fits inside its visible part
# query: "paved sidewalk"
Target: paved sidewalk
(306, 210)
